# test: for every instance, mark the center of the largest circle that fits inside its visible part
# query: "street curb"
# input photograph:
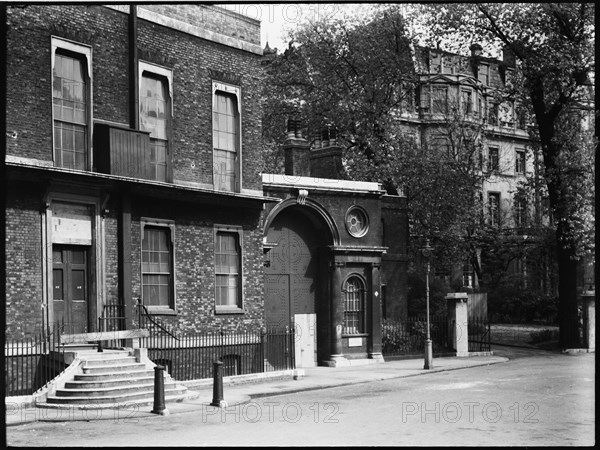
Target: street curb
(182, 407)
(351, 383)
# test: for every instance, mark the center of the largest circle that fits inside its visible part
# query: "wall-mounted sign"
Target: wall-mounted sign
(71, 223)
(355, 342)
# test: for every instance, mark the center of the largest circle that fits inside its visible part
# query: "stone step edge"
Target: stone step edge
(115, 375)
(177, 398)
(109, 362)
(150, 394)
(126, 381)
(111, 366)
(167, 384)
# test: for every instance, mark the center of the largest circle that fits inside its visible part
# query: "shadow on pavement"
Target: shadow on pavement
(516, 351)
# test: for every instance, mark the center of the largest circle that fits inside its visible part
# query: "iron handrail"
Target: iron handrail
(104, 318)
(147, 314)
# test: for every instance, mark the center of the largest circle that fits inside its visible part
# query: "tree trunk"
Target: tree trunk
(559, 200)
(568, 318)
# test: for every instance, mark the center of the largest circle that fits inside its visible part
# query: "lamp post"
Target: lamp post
(426, 252)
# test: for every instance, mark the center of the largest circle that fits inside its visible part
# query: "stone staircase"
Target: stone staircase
(109, 379)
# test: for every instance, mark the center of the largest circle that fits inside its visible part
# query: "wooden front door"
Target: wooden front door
(70, 287)
(291, 278)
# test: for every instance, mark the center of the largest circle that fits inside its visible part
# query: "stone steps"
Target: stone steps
(108, 382)
(110, 379)
(121, 375)
(92, 397)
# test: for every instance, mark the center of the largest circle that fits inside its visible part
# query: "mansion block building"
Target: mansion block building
(466, 106)
(133, 164)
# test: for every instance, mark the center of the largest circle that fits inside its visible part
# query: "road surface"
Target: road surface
(539, 398)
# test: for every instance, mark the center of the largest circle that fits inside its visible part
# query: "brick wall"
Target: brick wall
(194, 62)
(23, 255)
(194, 264)
(191, 59)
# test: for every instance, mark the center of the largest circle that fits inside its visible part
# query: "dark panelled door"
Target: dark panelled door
(70, 289)
(291, 278)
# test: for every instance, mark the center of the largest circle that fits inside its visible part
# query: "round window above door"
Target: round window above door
(357, 221)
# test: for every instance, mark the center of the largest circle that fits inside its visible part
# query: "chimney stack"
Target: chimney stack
(476, 50)
(296, 150)
(326, 156)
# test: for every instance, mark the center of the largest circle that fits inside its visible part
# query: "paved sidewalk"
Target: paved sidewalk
(235, 394)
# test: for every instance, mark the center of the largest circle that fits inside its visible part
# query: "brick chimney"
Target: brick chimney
(476, 50)
(326, 156)
(508, 56)
(296, 150)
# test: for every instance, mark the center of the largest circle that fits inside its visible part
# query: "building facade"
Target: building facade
(465, 104)
(133, 164)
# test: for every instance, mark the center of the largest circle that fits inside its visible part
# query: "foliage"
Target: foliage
(408, 336)
(416, 294)
(393, 335)
(358, 76)
(510, 303)
(553, 46)
(349, 75)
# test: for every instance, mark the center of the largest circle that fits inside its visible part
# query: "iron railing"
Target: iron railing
(406, 337)
(31, 362)
(112, 319)
(154, 324)
(479, 334)
(191, 355)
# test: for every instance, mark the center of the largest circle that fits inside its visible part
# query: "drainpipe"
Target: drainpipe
(133, 70)
(125, 263)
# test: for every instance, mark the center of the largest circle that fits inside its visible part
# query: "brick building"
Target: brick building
(133, 165)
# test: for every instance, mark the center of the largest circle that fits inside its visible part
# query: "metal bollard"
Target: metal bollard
(159, 392)
(218, 386)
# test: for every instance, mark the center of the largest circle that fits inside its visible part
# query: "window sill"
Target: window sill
(229, 310)
(355, 335)
(161, 311)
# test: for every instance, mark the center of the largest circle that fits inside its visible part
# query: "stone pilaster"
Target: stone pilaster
(374, 346)
(336, 357)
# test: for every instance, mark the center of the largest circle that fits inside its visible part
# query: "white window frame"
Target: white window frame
(494, 219)
(237, 92)
(167, 74)
(497, 159)
(435, 109)
(520, 212)
(362, 311)
(518, 153)
(227, 309)
(469, 108)
(170, 225)
(57, 44)
(487, 73)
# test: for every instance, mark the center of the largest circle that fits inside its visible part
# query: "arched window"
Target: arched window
(354, 305)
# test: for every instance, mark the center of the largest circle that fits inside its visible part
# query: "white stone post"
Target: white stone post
(458, 319)
(589, 319)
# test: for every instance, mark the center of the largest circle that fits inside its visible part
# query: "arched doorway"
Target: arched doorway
(297, 279)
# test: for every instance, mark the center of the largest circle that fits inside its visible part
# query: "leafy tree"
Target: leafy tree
(358, 77)
(350, 75)
(553, 46)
